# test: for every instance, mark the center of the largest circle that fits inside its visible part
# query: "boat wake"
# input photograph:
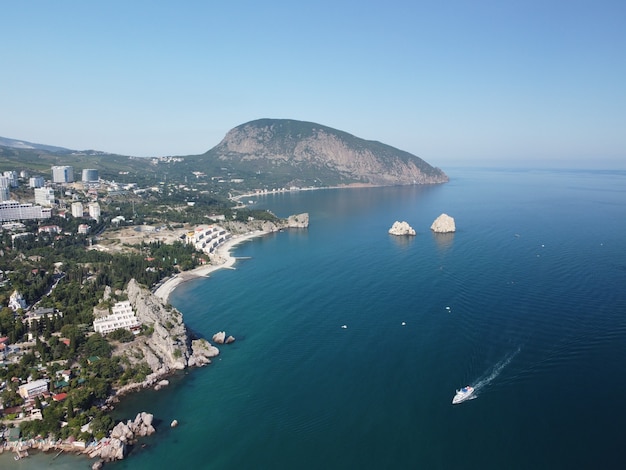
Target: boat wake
(492, 373)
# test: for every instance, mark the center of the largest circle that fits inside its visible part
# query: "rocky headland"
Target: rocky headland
(167, 347)
(267, 226)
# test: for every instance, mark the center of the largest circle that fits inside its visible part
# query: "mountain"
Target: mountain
(261, 154)
(308, 154)
(20, 144)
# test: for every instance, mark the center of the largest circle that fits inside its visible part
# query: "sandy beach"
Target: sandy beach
(219, 260)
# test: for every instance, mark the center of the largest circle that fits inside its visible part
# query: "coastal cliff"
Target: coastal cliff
(166, 345)
(267, 226)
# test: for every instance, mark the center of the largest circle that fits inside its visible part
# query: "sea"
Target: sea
(351, 342)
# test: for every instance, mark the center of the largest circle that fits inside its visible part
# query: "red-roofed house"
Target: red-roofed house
(59, 396)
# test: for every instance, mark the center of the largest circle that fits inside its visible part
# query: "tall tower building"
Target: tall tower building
(90, 176)
(77, 209)
(13, 178)
(36, 182)
(94, 211)
(5, 184)
(62, 174)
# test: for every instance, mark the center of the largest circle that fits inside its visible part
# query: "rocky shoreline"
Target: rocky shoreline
(114, 447)
(170, 347)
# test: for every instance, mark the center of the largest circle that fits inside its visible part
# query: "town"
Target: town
(69, 248)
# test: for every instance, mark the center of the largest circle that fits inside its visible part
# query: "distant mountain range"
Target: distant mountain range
(260, 153)
(21, 144)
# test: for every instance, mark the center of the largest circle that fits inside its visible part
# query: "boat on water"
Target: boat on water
(463, 394)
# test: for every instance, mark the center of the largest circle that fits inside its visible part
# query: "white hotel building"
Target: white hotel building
(121, 316)
(14, 210)
(207, 239)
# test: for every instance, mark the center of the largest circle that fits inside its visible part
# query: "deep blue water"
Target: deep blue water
(526, 301)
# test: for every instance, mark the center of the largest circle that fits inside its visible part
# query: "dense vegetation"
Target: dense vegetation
(57, 273)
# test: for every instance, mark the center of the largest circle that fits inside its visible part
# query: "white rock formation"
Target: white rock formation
(122, 435)
(401, 228)
(443, 224)
(219, 337)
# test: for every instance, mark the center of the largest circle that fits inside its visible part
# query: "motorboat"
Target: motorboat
(464, 394)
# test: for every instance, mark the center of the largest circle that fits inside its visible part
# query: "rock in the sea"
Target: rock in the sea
(401, 228)
(219, 337)
(174, 423)
(230, 339)
(203, 351)
(443, 224)
(161, 384)
(115, 449)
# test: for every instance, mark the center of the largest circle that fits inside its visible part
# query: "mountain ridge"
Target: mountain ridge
(308, 148)
(260, 154)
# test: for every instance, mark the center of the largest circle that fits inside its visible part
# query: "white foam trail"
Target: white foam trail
(495, 371)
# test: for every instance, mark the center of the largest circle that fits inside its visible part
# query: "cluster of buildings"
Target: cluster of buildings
(44, 194)
(121, 315)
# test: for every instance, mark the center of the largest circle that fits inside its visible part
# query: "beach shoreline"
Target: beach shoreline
(221, 259)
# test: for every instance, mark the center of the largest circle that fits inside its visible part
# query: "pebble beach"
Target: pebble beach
(221, 259)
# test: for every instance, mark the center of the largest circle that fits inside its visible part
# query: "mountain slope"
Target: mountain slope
(308, 154)
(21, 144)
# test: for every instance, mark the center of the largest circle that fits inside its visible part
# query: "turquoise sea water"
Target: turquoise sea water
(526, 301)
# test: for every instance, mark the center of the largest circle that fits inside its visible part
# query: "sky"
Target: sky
(454, 82)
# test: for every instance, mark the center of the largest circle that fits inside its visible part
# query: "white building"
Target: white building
(5, 185)
(13, 178)
(90, 175)
(36, 182)
(16, 301)
(44, 196)
(14, 210)
(207, 239)
(122, 316)
(62, 174)
(83, 229)
(94, 211)
(77, 209)
(33, 389)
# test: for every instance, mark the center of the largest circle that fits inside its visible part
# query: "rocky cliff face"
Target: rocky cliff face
(293, 221)
(314, 151)
(169, 347)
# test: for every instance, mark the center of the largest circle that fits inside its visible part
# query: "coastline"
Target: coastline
(220, 260)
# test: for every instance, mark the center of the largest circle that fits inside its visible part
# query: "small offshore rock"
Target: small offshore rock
(218, 338)
(174, 423)
(401, 228)
(443, 224)
(230, 339)
(161, 384)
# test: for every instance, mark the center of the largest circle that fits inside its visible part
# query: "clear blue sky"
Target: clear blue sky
(455, 82)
